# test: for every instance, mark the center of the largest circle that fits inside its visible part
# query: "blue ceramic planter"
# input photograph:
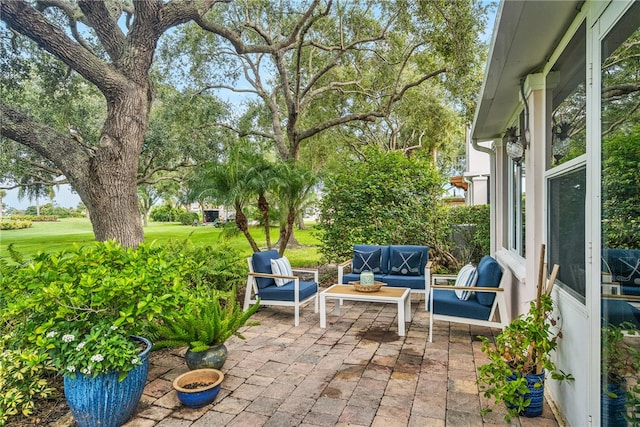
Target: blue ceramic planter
(613, 408)
(199, 387)
(104, 401)
(536, 394)
(212, 358)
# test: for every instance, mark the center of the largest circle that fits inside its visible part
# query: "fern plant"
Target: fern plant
(209, 318)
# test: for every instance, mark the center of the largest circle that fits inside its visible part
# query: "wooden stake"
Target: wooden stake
(540, 274)
(552, 279)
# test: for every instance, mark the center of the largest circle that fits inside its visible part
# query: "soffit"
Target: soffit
(524, 37)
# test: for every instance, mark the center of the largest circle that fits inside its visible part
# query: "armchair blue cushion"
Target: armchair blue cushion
(489, 275)
(262, 264)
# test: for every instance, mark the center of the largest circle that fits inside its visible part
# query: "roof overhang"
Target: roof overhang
(524, 37)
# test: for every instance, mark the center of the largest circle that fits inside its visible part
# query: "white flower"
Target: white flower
(135, 361)
(113, 327)
(71, 368)
(80, 346)
(85, 371)
(97, 358)
(68, 338)
(51, 334)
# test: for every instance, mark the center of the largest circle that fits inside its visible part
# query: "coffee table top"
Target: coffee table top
(384, 292)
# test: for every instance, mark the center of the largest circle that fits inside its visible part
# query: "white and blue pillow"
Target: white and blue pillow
(406, 263)
(366, 261)
(281, 267)
(467, 277)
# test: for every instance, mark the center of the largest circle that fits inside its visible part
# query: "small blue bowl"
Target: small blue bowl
(199, 387)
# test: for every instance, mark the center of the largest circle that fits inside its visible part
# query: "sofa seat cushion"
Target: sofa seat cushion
(285, 292)
(411, 282)
(261, 262)
(353, 277)
(489, 275)
(623, 264)
(447, 303)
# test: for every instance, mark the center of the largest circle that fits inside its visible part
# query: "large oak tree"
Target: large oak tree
(111, 44)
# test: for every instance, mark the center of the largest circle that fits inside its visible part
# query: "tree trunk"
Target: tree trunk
(286, 233)
(243, 225)
(301, 225)
(263, 205)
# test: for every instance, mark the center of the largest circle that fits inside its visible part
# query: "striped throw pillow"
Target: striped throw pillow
(467, 276)
(282, 267)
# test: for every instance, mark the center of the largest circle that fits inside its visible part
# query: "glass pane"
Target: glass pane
(567, 195)
(568, 126)
(620, 117)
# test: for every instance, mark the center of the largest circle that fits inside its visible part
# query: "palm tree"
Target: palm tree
(294, 184)
(34, 190)
(262, 177)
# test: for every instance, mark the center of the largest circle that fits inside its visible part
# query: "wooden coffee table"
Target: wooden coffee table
(386, 294)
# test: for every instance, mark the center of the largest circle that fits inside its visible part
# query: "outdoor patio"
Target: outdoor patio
(356, 372)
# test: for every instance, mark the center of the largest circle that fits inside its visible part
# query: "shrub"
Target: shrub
(15, 225)
(23, 379)
(187, 218)
(387, 199)
(35, 218)
(165, 213)
(469, 231)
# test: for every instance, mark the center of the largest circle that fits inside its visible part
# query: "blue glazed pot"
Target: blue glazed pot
(613, 407)
(104, 401)
(212, 358)
(536, 394)
(199, 387)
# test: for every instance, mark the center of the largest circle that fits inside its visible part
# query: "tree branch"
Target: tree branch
(105, 24)
(362, 117)
(58, 147)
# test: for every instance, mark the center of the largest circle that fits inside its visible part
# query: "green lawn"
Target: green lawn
(56, 236)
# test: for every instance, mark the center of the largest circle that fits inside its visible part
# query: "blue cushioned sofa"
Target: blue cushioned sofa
(404, 266)
(624, 266)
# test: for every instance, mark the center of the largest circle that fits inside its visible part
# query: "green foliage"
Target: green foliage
(187, 218)
(470, 228)
(523, 347)
(387, 199)
(64, 303)
(34, 218)
(621, 361)
(208, 318)
(620, 189)
(166, 213)
(15, 225)
(23, 379)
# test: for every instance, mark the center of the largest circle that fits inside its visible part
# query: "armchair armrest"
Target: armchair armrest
(313, 271)
(434, 277)
(273, 276)
(341, 268)
(467, 288)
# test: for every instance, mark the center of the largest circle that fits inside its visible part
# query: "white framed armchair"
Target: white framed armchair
(290, 290)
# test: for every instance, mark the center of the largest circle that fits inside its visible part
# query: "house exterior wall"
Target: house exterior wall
(579, 350)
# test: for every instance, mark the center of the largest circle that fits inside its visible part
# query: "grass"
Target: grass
(57, 236)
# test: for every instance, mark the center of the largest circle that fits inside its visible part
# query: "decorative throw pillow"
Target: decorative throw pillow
(366, 261)
(281, 267)
(467, 277)
(405, 263)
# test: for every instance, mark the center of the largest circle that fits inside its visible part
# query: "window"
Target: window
(567, 195)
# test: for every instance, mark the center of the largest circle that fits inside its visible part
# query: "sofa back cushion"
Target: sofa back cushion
(261, 262)
(403, 259)
(370, 258)
(489, 276)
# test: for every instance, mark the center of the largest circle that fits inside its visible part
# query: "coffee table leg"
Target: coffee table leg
(407, 308)
(323, 311)
(336, 307)
(401, 314)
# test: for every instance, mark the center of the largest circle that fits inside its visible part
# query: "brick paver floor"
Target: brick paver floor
(356, 372)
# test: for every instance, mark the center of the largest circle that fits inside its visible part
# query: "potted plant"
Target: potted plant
(620, 359)
(521, 357)
(199, 387)
(207, 320)
(85, 310)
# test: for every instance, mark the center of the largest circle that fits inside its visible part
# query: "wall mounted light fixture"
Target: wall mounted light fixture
(560, 142)
(516, 144)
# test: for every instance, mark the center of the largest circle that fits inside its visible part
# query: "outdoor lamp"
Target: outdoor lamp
(560, 141)
(515, 144)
